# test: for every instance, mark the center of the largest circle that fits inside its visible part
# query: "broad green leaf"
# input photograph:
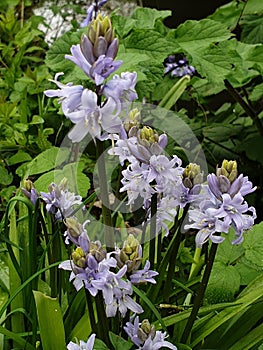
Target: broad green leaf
(5, 177)
(223, 283)
(50, 322)
(77, 181)
(82, 329)
(119, 343)
(257, 92)
(252, 29)
(146, 17)
(227, 253)
(193, 35)
(48, 160)
(148, 42)
(253, 6)
(122, 25)
(19, 157)
(247, 271)
(55, 58)
(253, 245)
(253, 148)
(219, 132)
(228, 14)
(255, 57)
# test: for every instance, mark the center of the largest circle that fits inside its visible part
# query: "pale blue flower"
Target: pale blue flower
(83, 345)
(143, 276)
(153, 341)
(121, 88)
(93, 119)
(99, 70)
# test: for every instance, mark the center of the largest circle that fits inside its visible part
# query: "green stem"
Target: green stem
(89, 300)
(153, 229)
(199, 298)
(174, 253)
(106, 212)
(102, 325)
(250, 112)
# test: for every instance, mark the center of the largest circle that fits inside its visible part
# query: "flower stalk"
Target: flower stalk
(200, 296)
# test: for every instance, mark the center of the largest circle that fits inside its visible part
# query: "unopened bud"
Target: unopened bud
(73, 227)
(28, 184)
(192, 175)
(148, 134)
(228, 169)
(79, 257)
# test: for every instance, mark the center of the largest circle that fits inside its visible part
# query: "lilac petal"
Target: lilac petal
(87, 49)
(78, 132)
(100, 46)
(113, 48)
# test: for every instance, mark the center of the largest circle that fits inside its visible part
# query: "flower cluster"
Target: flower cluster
(96, 112)
(145, 336)
(150, 172)
(60, 201)
(177, 65)
(223, 206)
(111, 273)
(82, 345)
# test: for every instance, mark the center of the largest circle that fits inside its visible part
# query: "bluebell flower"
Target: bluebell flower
(177, 65)
(121, 88)
(60, 201)
(83, 345)
(81, 107)
(29, 191)
(92, 11)
(145, 336)
(144, 275)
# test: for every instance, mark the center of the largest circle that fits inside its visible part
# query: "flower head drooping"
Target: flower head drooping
(177, 65)
(145, 336)
(83, 345)
(96, 53)
(224, 206)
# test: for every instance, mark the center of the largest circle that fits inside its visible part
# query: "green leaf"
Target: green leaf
(194, 35)
(228, 253)
(47, 160)
(19, 157)
(119, 343)
(224, 282)
(55, 58)
(5, 177)
(145, 18)
(253, 148)
(148, 42)
(19, 340)
(175, 93)
(252, 29)
(253, 338)
(122, 25)
(228, 14)
(78, 182)
(255, 57)
(253, 245)
(257, 92)
(50, 322)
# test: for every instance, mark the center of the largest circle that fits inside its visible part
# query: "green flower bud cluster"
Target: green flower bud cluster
(79, 257)
(133, 120)
(192, 175)
(228, 169)
(74, 227)
(97, 251)
(130, 254)
(145, 330)
(148, 135)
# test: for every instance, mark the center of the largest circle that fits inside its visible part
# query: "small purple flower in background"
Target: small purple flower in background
(145, 336)
(177, 65)
(143, 276)
(92, 12)
(83, 345)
